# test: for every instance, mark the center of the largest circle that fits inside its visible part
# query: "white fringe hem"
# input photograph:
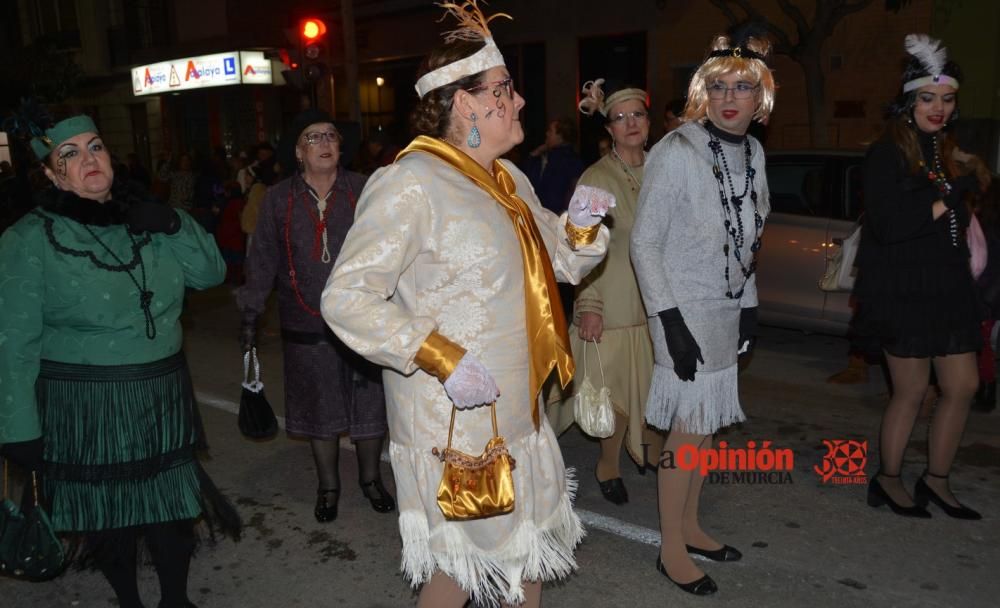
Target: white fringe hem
(700, 407)
(541, 552)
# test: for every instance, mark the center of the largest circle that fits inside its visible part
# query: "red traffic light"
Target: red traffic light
(312, 29)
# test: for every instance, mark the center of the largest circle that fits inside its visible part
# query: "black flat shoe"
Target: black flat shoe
(922, 494)
(703, 586)
(725, 554)
(614, 490)
(326, 505)
(380, 498)
(878, 497)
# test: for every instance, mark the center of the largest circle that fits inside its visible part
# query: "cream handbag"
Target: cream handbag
(591, 407)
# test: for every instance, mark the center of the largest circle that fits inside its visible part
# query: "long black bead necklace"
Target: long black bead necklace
(732, 205)
(145, 295)
(937, 175)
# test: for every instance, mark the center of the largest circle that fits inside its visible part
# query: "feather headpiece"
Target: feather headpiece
(932, 57)
(474, 26)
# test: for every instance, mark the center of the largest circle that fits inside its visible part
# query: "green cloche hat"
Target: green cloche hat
(43, 145)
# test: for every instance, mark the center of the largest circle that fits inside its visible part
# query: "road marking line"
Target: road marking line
(605, 523)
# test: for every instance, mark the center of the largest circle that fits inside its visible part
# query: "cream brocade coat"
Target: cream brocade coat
(429, 250)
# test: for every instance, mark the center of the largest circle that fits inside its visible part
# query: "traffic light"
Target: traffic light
(312, 41)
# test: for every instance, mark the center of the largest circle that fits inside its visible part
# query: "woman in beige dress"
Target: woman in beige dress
(447, 279)
(608, 309)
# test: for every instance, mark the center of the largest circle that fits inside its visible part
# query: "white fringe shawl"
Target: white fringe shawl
(701, 407)
(533, 553)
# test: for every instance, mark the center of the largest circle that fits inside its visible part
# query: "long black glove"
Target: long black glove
(748, 327)
(960, 186)
(248, 334)
(27, 454)
(147, 216)
(680, 344)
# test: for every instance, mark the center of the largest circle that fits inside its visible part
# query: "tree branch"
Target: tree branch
(841, 11)
(796, 15)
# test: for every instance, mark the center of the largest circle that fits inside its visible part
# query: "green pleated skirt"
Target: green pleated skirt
(119, 444)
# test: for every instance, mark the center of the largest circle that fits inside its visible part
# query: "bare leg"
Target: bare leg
(674, 485)
(441, 592)
(909, 381)
(693, 534)
(532, 596)
(958, 378)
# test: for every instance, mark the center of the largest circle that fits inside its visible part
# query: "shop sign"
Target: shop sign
(220, 69)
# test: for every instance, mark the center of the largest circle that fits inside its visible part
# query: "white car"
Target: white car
(816, 198)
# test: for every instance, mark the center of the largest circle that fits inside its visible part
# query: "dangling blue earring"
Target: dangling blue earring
(474, 139)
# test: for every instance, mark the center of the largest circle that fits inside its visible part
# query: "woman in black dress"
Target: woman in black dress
(914, 281)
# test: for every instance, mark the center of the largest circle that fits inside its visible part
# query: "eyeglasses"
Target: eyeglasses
(621, 117)
(315, 137)
(742, 90)
(506, 83)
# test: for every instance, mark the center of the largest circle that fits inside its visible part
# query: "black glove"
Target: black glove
(748, 327)
(680, 344)
(26, 454)
(147, 216)
(248, 335)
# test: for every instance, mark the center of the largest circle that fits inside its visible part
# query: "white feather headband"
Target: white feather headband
(473, 25)
(933, 57)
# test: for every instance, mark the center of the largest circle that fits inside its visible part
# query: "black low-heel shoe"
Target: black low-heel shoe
(725, 554)
(326, 505)
(375, 492)
(878, 497)
(614, 490)
(703, 586)
(922, 494)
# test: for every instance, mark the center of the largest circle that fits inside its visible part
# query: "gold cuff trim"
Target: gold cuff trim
(578, 237)
(438, 356)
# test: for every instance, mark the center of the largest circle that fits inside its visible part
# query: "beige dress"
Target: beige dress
(611, 291)
(429, 250)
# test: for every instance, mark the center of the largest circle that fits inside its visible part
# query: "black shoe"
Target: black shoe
(614, 490)
(986, 397)
(878, 497)
(703, 586)
(922, 494)
(326, 505)
(380, 498)
(725, 554)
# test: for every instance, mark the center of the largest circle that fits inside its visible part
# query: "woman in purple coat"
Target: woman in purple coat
(328, 389)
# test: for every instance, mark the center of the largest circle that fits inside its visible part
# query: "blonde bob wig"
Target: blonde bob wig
(723, 59)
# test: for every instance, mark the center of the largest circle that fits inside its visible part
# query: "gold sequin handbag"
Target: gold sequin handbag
(592, 408)
(476, 487)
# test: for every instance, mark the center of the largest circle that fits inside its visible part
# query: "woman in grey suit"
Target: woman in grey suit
(698, 227)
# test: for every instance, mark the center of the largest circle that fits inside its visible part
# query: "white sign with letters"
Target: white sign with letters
(220, 69)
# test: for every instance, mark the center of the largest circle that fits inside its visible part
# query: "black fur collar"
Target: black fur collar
(87, 211)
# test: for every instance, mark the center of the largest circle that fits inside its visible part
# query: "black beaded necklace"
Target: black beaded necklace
(732, 205)
(937, 175)
(145, 295)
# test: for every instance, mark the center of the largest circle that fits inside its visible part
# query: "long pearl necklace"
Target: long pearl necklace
(625, 166)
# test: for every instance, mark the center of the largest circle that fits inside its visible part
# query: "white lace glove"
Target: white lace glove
(589, 205)
(470, 384)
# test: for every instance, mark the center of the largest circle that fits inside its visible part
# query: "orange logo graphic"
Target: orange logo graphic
(191, 71)
(844, 462)
(249, 70)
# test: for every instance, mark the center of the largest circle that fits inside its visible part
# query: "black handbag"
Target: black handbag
(29, 548)
(256, 418)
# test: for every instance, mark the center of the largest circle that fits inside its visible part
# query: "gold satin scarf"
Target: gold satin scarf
(548, 340)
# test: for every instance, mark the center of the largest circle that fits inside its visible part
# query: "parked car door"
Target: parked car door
(843, 220)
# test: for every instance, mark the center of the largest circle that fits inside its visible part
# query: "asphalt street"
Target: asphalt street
(805, 542)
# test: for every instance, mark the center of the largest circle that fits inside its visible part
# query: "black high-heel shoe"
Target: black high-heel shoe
(702, 586)
(613, 490)
(922, 494)
(375, 492)
(725, 554)
(326, 508)
(877, 497)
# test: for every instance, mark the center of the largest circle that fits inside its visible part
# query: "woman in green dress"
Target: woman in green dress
(94, 389)
(608, 313)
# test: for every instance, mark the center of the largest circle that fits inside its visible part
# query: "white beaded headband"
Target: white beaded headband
(933, 57)
(473, 25)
